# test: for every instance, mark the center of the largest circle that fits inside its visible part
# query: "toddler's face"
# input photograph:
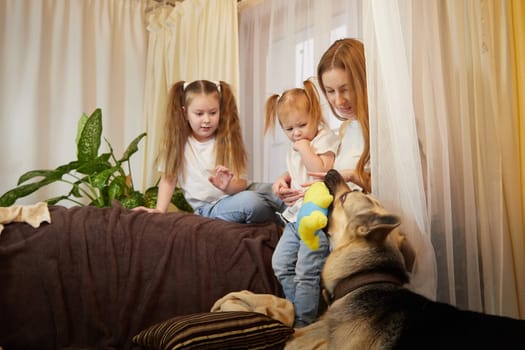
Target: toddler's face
(297, 125)
(203, 113)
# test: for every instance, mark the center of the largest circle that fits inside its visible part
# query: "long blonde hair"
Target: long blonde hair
(277, 106)
(229, 146)
(349, 55)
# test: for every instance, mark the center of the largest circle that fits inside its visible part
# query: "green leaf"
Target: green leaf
(179, 200)
(80, 126)
(150, 197)
(89, 140)
(95, 166)
(55, 200)
(132, 148)
(34, 173)
(101, 179)
(134, 200)
(10, 197)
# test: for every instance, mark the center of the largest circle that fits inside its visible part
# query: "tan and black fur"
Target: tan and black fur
(364, 277)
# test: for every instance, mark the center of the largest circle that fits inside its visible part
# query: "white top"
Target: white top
(352, 144)
(199, 164)
(325, 141)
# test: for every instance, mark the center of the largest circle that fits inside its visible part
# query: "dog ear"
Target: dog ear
(377, 227)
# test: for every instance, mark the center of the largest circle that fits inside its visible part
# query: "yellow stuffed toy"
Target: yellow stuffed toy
(313, 214)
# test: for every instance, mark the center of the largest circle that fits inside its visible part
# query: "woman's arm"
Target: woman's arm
(281, 188)
(350, 175)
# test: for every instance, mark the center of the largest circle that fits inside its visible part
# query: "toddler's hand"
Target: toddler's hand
(301, 145)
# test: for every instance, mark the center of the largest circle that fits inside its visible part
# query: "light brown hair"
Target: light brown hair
(349, 55)
(277, 106)
(229, 146)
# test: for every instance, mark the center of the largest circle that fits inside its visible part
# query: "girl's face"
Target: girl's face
(203, 114)
(297, 125)
(339, 92)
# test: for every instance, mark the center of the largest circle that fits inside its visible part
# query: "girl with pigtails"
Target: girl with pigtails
(202, 152)
(312, 149)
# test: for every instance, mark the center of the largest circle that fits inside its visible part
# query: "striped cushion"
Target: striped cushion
(216, 330)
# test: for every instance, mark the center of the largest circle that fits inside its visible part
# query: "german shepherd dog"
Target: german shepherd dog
(369, 308)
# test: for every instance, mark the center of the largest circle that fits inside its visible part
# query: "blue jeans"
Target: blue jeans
(247, 207)
(298, 269)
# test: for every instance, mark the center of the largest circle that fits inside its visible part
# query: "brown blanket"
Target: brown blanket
(97, 276)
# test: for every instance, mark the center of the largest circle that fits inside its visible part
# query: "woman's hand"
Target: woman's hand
(290, 196)
(281, 188)
(222, 177)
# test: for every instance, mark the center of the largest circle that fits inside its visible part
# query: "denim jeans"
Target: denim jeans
(298, 269)
(248, 207)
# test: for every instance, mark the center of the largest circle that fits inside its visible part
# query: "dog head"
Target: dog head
(363, 234)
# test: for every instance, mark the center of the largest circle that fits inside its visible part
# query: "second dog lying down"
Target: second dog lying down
(364, 277)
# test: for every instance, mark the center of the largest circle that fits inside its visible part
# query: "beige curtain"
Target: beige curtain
(452, 96)
(195, 39)
(516, 27)
(58, 59)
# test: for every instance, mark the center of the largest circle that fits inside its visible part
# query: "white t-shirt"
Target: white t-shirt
(350, 150)
(325, 141)
(199, 164)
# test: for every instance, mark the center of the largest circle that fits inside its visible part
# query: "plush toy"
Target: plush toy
(313, 214)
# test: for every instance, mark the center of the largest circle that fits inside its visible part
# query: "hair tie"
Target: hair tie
(217, 84)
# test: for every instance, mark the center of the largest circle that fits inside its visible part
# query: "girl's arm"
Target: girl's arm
(166, 188)
(312, 161)
(224, 181)
(164, 194)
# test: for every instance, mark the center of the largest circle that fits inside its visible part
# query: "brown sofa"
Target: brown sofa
(95, 277)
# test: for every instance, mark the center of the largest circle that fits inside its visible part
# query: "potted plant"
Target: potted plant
(97, 178)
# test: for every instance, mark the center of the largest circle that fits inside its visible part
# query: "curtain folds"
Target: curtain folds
(195, 39)
(457, 59)
(59, 59)
(516, 28)
(446, 106)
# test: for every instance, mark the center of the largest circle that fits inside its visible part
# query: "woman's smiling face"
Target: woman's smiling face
(203, 113)
(339, 92)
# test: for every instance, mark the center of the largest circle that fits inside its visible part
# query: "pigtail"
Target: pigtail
(314, 103)
(270, 113)
(230, 149)
(175, 133)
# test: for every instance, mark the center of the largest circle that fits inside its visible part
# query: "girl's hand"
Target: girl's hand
(149, 210)
(222, 177)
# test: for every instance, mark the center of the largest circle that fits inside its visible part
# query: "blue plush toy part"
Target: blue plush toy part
(313, 214)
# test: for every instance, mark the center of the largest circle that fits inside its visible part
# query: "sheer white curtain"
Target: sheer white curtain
(281, 43)
(439, 76)
(195, 39)
(58, 59)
